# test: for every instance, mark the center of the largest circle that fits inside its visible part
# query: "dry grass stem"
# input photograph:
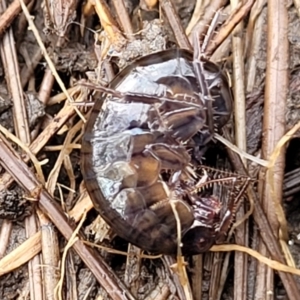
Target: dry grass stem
(25, 252)
(235, 18)
(241, 231)
(50, 254)
(47, 58)
(244, 155)
(51, 183)
(198, 14)
(71, 241)
(125, 20)
(275, 265)
(37, 164)
(109, 24)
(253, 41)
(274, 129)
(5, 233)
(10, 14)
(175, 24)
(209, 10)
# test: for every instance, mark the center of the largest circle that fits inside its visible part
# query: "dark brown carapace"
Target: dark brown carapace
(136, 154)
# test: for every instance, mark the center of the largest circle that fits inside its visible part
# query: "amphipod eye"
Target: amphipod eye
(198, 240)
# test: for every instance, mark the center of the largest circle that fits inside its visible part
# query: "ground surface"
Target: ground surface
(31, 98)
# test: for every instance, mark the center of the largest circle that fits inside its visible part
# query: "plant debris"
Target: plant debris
(47, 220)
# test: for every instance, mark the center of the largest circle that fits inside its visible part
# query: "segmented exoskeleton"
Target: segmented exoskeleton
(136, 153)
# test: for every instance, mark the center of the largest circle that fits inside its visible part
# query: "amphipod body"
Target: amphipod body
(135, 150)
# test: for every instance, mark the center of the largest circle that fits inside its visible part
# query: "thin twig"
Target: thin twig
(209, 11)
(253, 42)
(124, 18)
(277, 73)
(10, 14)
(58, 121)
(170, 12)
(241, 232)
(227, 28)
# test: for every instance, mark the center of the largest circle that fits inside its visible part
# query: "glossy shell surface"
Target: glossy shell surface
(135, 149)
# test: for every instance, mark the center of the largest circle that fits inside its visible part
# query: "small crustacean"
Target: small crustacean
(136, 153)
